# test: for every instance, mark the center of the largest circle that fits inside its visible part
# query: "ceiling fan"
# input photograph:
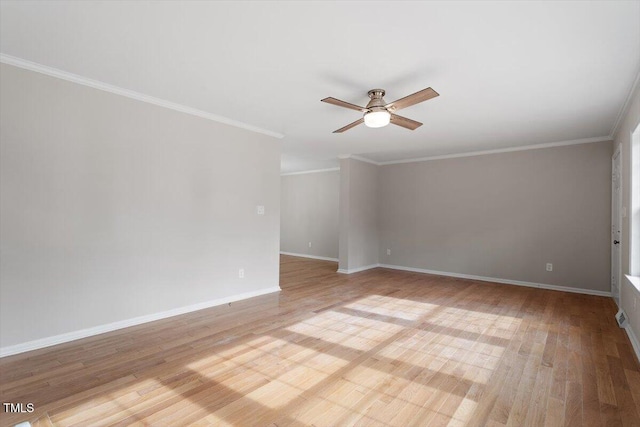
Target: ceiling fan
(378, 113)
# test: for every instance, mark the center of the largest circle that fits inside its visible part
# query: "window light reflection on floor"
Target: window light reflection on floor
(332, 343)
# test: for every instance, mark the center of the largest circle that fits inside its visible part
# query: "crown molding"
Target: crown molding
(311, 171)
(625, 106)
(64, 75)
(364, 159)
(481, 153)
(359, 158)
(503, 150)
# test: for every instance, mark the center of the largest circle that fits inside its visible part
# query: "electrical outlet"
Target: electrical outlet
(388, 251)
(260, 210)
(309, 244)
(549, 266)
(241, 273)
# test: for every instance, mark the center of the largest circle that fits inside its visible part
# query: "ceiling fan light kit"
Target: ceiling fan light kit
(378, 113)
(377, 119)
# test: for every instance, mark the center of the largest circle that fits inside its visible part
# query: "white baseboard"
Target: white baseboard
(357, 270)
(323, 258)
(84, 333)
(497, 280)
(634, 340)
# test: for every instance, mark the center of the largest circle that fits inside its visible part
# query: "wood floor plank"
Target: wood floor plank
(43, 421)
(626, 402)
(573, 415)
(633, 379)
(555, 413)
(380, 347)
(590, 395)
(537, 410)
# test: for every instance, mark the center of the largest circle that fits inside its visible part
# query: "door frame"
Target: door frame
(616, 214)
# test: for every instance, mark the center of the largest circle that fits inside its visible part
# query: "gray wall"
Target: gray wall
(358, 214)
(111, 208)
(503, 215)
(309, 213)
(623, 140)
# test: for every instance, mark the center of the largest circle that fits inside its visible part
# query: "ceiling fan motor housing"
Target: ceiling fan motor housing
(376, 100)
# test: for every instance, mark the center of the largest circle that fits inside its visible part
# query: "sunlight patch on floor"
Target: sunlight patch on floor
(280, 393)
(410, 335)
(464, 412)
(394, 307)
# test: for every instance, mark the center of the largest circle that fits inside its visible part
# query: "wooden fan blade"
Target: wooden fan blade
(334, 101)
(349, 126)
(404, 122)
(408, 101)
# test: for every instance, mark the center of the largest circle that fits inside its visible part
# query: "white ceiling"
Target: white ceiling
(509, 74)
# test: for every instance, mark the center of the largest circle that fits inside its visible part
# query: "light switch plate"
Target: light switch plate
(260, 210)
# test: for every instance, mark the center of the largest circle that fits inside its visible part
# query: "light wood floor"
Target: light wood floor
(379, 347)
